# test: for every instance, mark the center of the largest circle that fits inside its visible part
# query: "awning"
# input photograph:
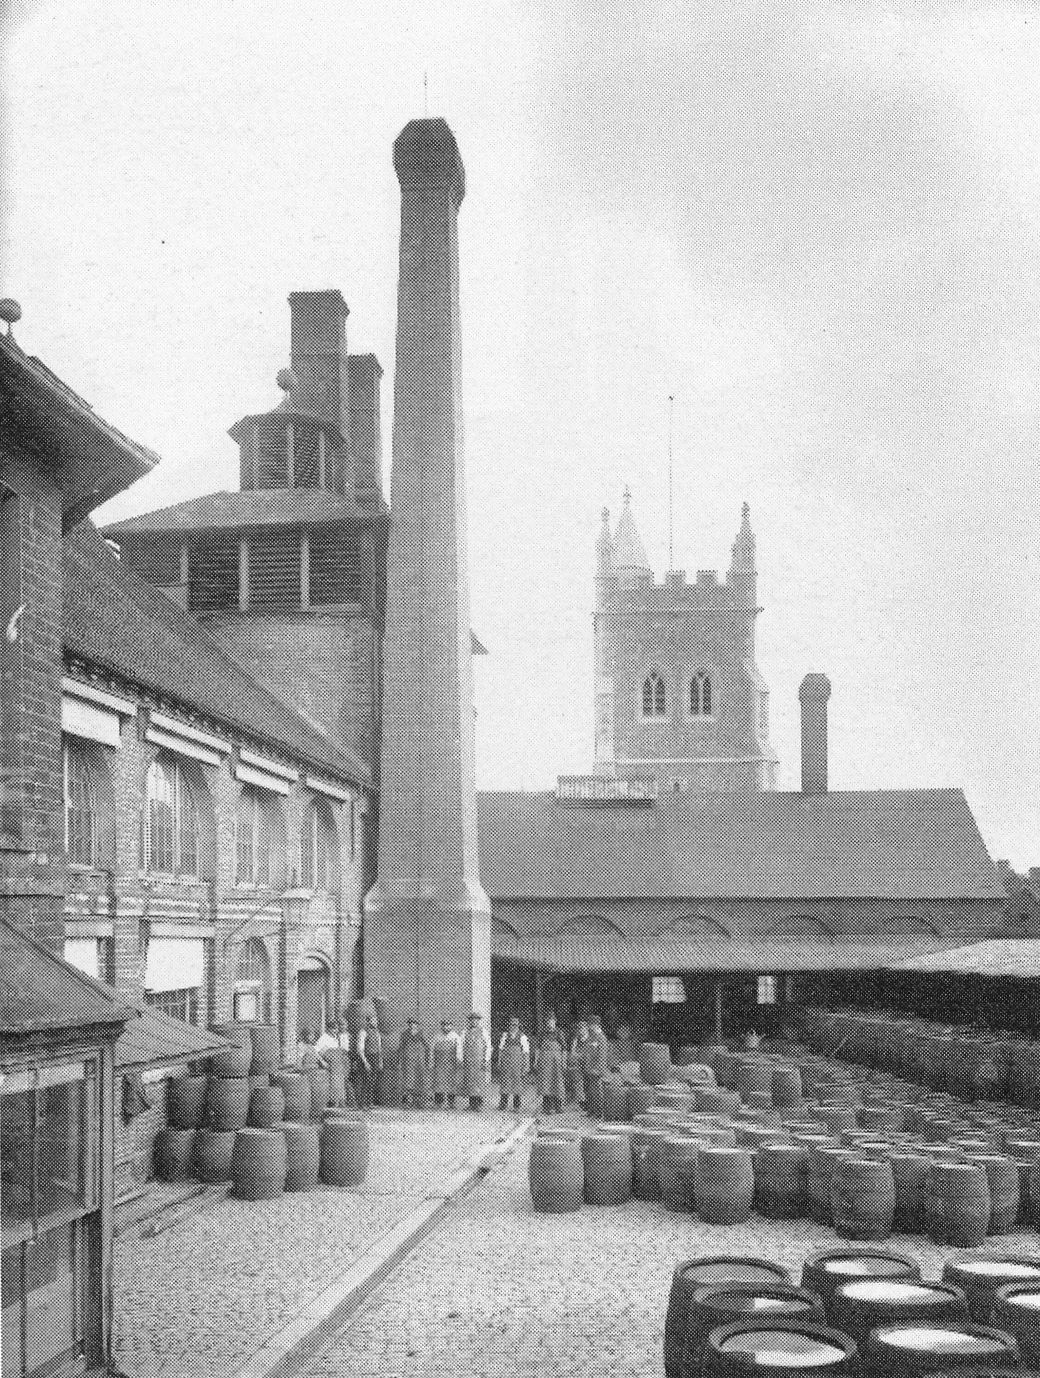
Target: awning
(174, 964)
(576, 953)
(153, 1039)
(995, 957)
(85, 955)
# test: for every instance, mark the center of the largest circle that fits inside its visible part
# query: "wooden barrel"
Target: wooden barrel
(1016, 1309)
(956, 1204)
(344, 1152)
(647, 1147)
(257, 1080)
(838, 1118)
(777, 1349)
(227, 1103)
(882, 1119)
(728, 1303)
(266, 1107)
(1024, 1074)
(714, 1100)
(780, 1181)
(297, 1091)
(980, 1277)
(640, 1099)
(321, 1089)
(919, 1348)
(266, 1050)
(338, 1062)
(859, 1307)
(787, 1086)
(607, 1163)
(909, 1171)
(186, 1102)
(212, 1154)
(826, 1271)
(696, 1273)
(677, 1170)
(234, 1061)
(819, 1170)
(174, 1151)
(556, 1175)
(615, 1099)
(258, 1164)
(863, 1198)
(1004, 1196)
(655, 1063)
(302, 1155)
(724, 1185)
(695, 1074)
(753, 1075)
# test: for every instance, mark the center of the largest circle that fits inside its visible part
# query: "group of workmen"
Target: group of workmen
(459, 1065)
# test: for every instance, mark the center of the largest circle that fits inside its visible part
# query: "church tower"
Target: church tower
(679, 697)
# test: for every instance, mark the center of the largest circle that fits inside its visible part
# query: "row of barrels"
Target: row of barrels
(262, 1163)
(853, 1312)
(968, 1064)
(257, 1101)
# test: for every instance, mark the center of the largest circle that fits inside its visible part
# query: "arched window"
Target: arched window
(653, 696)
(253, 839)
(700, 695)
(80, 807)
(171, 821)
(318, 848)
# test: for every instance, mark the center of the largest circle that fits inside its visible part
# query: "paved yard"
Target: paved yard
(204, 1295)
(500, 1292)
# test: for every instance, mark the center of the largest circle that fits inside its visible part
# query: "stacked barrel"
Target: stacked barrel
(259, 1126)
(797, 1136)
(855, 1312)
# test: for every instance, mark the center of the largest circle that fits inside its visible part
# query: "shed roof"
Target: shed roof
(40, 992)
(888, 844)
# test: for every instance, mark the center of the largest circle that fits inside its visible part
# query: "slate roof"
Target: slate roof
(117, 620)
(253, 507)
(40, 991)
(993, 957)
(888, 844)
(153, 1039)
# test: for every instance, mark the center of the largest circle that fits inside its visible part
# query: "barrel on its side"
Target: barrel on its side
(556, 1175)
(344, 1152)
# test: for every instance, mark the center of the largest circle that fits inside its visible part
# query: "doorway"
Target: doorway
(312, 996)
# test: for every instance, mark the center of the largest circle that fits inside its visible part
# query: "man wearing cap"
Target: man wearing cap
(446, 1056)
(514, 1063)
(476, 1059)
(366, 1063)
(595, 1065)
(413, 1061)
(549, 1062)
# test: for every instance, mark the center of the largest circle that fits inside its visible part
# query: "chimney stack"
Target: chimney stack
(319, 357)
(365, 432)
(814, 692)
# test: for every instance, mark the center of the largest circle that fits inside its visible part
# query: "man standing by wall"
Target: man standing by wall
(476, 1059)
(447, 1064)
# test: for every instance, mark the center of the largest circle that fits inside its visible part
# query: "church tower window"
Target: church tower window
(700, 695)
(654, 703)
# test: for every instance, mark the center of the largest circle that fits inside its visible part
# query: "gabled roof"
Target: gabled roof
(117, 620)
(253, 507)
(889, 844)
(41, 992)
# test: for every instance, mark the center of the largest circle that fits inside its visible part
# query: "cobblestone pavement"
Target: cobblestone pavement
(500, 1292)
(205, 1294)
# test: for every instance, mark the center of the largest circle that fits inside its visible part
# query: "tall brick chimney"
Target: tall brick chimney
(427, 919)
(813, 694)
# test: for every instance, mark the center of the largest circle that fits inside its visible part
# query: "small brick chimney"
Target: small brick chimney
(813, 694)
(319, 356)
(365, 433)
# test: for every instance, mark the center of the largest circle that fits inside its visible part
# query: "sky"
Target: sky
(816, 224)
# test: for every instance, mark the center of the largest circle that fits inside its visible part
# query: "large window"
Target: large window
(668, 990)
(701, 695)
(253, 989)
(80, 807)
(171, 821)
(654, 700)
(766, 990)
(178, 1004)
(253, 839)
(317, 848)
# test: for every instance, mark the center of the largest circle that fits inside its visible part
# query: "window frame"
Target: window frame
(766, 991)
(668, 990)
(71, 751)
(654, 681)
(260, 834)
(170, 1002)
(701, 679)
(181, 787)
(318, 867)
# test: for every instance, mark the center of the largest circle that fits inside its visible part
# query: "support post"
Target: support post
(716, 1013)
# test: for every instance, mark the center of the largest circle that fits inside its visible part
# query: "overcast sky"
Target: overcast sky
(818, 225)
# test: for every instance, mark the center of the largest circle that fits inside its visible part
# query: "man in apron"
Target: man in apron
(413, 1060)
(447, 1064)
(514, 1063)
(476, 1058)
(366, 1062)
(595, 1065)
(549, 1064)
(574, 1072)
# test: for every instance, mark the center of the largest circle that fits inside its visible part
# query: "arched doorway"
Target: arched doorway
(253, 987)
(313, 986)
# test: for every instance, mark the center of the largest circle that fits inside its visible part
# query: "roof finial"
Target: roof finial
(745, 512)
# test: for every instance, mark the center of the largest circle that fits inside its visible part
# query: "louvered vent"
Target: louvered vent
(213, 571)
(272, 456)
(274, 569)
(338, 573)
